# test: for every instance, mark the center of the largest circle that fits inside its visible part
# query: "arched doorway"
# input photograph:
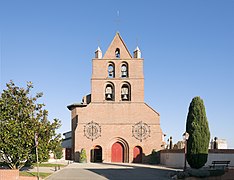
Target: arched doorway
(96, 154)
(137, 154)
(117, 152)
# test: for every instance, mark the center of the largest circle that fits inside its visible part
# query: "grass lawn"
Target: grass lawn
(41, 174)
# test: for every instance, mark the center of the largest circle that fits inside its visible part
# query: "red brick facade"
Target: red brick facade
(116, 112)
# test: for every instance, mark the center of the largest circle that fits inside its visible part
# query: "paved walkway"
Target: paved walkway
(47, 169)
(117, 171)
(114, 171)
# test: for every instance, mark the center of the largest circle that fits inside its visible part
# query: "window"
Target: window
(111, 70)
(124, 70)
(125, 92)
(109, 92)
(117, 53)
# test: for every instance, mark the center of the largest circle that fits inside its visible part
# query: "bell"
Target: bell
(108, 96)
(110, 74)
(124, 73)
(108, 90)
(125, 97)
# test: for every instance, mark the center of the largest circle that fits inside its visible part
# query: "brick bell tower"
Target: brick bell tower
(113, 123)
(117, 77)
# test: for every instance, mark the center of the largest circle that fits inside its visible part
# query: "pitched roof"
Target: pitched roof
(117, 42)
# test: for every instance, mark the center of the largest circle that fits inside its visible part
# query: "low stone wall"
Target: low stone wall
(221, 155)
(172, 158)
(13, 174)
(175, 157)
(9, 174)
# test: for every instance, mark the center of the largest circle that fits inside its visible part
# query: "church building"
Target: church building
(113, 123)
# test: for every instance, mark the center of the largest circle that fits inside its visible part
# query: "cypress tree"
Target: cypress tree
(199, 134)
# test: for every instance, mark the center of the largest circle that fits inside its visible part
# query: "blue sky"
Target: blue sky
(188, 48)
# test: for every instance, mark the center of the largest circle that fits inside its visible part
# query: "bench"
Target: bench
(220, 163)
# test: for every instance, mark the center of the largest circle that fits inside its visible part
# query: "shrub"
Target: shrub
(154, 157)
(83, 157)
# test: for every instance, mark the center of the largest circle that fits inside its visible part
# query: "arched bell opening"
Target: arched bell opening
(111, 70)
(124, 70)
(126, 92)
(117, 53)
(109, 92)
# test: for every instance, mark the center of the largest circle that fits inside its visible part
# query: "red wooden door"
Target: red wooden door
(137, 154)
(117, 152)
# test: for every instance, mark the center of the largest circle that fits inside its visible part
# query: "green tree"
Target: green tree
(56, 147)
(48, 141)
(20, 118)
(58, 151)
(199, 134)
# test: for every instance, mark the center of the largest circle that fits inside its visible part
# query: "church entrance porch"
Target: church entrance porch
(119, 150)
